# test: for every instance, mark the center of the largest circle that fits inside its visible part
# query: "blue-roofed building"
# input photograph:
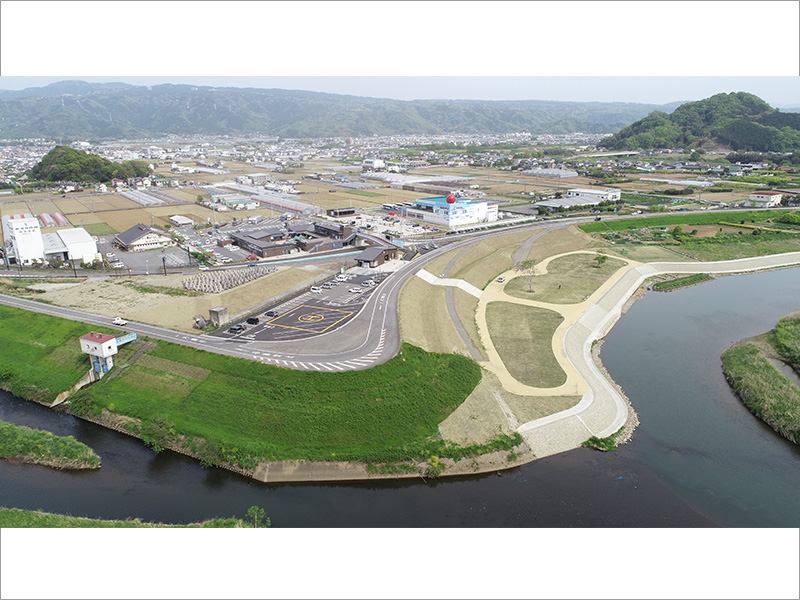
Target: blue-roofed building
(441, 212)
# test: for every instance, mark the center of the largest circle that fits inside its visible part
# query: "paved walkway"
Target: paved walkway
(601, 410)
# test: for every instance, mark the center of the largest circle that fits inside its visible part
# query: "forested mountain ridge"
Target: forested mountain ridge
(738, 120)
(73, 110)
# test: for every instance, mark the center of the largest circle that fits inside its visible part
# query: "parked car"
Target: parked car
(252, 257)
(271, 313)
(236, 328)
(354, 290)
(119, 321)
(252, 320)
(316, 290)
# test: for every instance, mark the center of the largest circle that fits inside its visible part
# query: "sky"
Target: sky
(643, 52)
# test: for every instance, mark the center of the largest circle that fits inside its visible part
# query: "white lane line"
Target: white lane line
(293, 364)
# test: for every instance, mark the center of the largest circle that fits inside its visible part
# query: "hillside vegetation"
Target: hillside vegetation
(63, 163)
(78, 110)
(738, 120)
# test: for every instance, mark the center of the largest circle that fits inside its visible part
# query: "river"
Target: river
(698, 459)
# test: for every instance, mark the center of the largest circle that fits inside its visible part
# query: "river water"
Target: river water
(698, 459)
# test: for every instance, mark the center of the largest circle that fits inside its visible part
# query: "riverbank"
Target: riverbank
(749, 369)
(32, 446)
(16, 518)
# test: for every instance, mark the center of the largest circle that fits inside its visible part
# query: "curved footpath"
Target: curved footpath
(601, 411)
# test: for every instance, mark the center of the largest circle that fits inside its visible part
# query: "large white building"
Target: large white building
(439, 211)
(80, 245)
(22, 238)
(765, 199)
(582, 196)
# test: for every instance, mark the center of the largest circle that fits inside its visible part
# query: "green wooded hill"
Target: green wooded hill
(739, 120)
(63, 163)
(73, 110)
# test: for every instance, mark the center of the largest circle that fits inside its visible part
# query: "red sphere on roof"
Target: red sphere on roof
(451, 199)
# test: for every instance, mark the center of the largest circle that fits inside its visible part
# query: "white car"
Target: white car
(119, 321)
(316, 290)
(354, 290)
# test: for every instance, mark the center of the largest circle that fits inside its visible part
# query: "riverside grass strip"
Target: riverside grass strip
(42, 447)
(680, 282)
(18, 518)
(763, 389)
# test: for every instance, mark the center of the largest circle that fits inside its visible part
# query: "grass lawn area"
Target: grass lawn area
(486, 259)
(424, 320)
(365, 193)
(250, 411)
(43, 358)
(523, 336)
(238, 411)
(466, 307)
(99, 229)
(18, 518)
(577, 274)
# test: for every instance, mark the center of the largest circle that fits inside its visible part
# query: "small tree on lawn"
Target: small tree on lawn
(527, 268)
(600, 259)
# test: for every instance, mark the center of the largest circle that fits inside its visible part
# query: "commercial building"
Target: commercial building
(460, 211)
(141, 237)
(22, 238)
(375, 256)
(765, 199)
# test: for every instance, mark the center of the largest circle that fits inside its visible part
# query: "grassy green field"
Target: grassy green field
(230, 410)
(99, 229)
(577, 275)
(43, 358)
(11, 518)
(523, 336)
(42, 447)
(688, 218)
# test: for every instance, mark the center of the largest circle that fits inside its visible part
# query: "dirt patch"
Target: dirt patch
(119, 296)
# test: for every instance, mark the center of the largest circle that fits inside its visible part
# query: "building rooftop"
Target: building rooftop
(100, 338)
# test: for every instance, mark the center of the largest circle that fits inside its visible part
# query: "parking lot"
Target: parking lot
(308, 314)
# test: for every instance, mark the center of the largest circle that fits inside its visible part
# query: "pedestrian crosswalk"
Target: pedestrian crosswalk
(351, 364)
